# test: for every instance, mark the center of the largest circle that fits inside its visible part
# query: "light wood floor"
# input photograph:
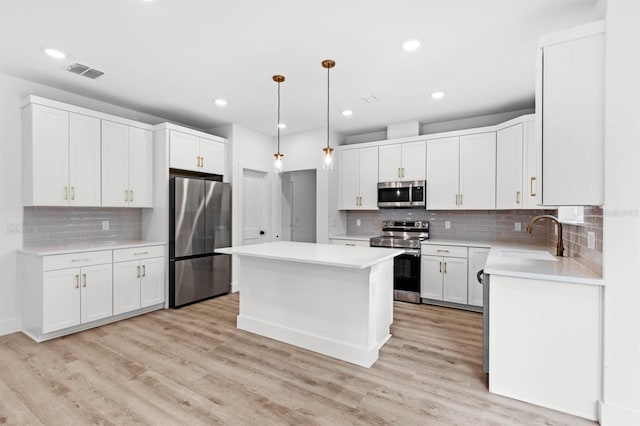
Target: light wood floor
(192, 366)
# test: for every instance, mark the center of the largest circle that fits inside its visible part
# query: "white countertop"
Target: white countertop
(52, 249)
(352, 237)
(319, 254)
(564, 270)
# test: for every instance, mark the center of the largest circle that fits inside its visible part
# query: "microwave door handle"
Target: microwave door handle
(410, 193)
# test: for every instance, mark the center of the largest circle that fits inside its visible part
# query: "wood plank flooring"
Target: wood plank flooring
(192, 366)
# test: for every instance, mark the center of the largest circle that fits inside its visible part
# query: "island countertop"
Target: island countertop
(319, 254)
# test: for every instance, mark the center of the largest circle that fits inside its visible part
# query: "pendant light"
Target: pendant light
(277, 164)
(327, 164)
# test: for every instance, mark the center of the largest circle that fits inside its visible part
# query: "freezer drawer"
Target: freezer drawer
(199, 278)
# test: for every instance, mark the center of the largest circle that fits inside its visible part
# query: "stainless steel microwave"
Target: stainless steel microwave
(402, 194)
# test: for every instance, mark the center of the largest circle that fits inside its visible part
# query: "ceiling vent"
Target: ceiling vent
(84, 70)
(370, 98)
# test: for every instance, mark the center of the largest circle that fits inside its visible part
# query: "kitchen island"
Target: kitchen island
(334, 300)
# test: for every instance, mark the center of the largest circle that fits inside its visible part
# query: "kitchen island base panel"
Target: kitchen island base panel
(343, 313)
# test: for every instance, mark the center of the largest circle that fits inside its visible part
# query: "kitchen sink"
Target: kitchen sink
(528, 254)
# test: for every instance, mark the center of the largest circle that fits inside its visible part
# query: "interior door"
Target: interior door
(303, 206)
(254, 199)
(189, 216)
(84, 160)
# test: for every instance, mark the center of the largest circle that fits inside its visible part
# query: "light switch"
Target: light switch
(358, 222)
(447, 224)
(518, 226)
(105, 225)
(591, 240)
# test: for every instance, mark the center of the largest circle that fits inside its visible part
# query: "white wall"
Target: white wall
(304, 151)
(12, 91)
(621, 379)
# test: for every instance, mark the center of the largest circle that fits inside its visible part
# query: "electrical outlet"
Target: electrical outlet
(517, 226)
(591, 240)
(105, 225)
(447, 224)
(14, 228)
(358, 222)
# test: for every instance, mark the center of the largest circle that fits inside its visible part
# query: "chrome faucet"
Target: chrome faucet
(559, 246)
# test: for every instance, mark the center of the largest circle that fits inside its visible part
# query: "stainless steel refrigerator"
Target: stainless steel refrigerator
(199, 223)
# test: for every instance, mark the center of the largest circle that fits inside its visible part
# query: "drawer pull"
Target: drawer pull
(138, 271)
(350, 244)
(66, 192)
(144, 270)
(533, 194)
(84, 280)
(440, 267)
(141, 253)
(73, 193)
(445, 267)
(80, 260)
(126, 196)
(442, 251)
(77, 281)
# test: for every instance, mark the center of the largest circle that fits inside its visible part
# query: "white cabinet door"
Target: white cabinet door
(49, 165)
(531, 177)
(509, 167)
(478, 171)
(84, 160)
(126, 286)
(442, 173)
(368, 178)
(414, 159)
(431, 277)
(349, 179)
(184, 151)
(455, 280)
(477, 260)
(152, 282)
(140, 167)
(211, 157)
(390, 163)
(96, 293)
(60, 299)
(115, 164)
(573, 122)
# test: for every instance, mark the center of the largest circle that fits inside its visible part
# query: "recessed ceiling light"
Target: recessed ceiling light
(410, 45)
(347, 113)
(437, 95)
(220, 102)
(281, 125)
(54, 53)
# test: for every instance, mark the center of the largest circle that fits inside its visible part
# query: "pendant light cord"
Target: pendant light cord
(328, 70)
(278, 124)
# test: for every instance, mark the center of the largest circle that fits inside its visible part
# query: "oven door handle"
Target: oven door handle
(410, 193)
(412, 252)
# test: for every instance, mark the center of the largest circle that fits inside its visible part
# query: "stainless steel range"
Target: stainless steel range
(406, 267)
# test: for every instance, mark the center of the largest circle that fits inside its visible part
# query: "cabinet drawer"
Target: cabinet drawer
(447, 251)
(74, 260)
(343, 242)
(123, 255)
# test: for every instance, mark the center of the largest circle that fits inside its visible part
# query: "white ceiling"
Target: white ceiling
(171, 58)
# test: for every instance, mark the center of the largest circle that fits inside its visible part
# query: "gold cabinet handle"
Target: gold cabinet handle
(84, 280)
(457, 199)
(442, 251)
(445, 267)
(399, 175)
(402, 171)
(131, 195)
(141, 253)
(138, 271)
(198, 161)
(533, 179)
(201, 161)
(518, 197)
(126, 196)
(73, 193)
(144, 270)
(66, 192)
(77, 281)
(350, 244)
(360, 201)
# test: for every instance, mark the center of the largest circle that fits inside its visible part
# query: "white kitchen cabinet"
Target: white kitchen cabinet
(461, 172)
(444, 273)
(509, 167)
(351, 243)
(61, 158)
(74, 296)
(477, 260)
(358, 179)
(532, 196)
(127, 167)
(138, 278)
(195, 153)
(570, 107)
(402, 162)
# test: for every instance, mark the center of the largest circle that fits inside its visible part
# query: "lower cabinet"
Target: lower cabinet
(344, 242)
(65, 293)
(448, 274)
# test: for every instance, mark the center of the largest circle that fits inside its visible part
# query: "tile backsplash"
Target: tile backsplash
(484, 225)
(72, 225)
(575, 239)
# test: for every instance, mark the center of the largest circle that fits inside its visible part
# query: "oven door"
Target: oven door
(406, 276)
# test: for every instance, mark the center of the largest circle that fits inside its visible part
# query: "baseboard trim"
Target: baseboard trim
(235, 287)
(10, 325)
(611, 415)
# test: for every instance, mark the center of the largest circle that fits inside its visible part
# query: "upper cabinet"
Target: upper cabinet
(461, 172)
(127, 167)
(570, 108)
(77, 157)
(358, 179)
(196, 153)
(402, 162)
(509, 167)
(61, 158)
